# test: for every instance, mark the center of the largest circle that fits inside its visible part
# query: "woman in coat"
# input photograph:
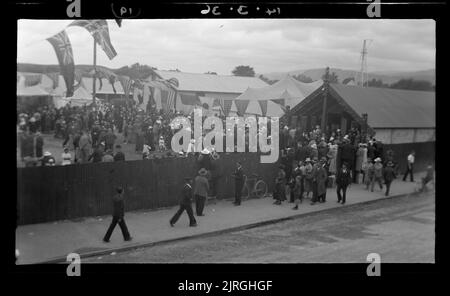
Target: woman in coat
(321, 178)
(309, 176)
(332, 156)
(280, 186)
(359, 161)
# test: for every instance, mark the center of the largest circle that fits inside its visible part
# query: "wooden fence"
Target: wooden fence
(47, 194)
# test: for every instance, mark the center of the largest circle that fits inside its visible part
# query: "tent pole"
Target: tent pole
(95, 73)
(325, 97)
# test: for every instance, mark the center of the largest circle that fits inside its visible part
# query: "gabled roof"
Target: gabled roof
(385, 107)
(196, 82)
(391, 108)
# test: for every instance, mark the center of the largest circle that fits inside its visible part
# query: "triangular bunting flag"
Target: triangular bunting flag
(241, 106)
(263, 105)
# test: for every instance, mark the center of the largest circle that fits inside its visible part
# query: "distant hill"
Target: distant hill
(388, 77)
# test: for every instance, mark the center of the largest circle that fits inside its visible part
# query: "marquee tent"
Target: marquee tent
(286, 92)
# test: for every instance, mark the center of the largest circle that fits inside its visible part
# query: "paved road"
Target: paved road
(399, 229)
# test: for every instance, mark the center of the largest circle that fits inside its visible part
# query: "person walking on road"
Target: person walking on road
(185, 204)
(378, 174)
(343, 179)
(389, 176)
(238, 176)
(369, 173)
(322, 176)
(429, 177)
(201, 188)
(410, 166)
(118, 216)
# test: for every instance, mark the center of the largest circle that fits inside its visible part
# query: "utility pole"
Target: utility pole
(325, 97)
(95, 73)
(363, 75)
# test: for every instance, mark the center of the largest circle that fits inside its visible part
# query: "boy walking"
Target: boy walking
(118, 216)
(389, 176)
(185, 204)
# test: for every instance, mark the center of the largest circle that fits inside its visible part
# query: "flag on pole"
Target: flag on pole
(227, 106)
(99, 30)
(126, 83)
(63, 50)
(168, 99)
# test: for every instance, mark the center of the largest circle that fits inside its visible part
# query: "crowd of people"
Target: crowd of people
(91, 132)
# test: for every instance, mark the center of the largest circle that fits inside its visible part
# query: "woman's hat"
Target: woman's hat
(205, 151)
(377, 159)
(308, 159)
(202, 172)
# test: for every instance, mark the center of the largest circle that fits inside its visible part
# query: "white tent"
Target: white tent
(288, 89)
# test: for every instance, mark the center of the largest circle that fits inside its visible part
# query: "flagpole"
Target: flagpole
(95, 73)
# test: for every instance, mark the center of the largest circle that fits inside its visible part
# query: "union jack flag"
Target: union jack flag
(99, 30)
(63, 50)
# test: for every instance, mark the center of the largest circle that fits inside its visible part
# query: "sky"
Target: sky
(219, 45)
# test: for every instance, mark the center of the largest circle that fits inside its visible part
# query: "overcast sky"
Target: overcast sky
(219, 45)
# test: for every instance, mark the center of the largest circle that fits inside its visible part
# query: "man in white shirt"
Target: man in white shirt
(410, 166)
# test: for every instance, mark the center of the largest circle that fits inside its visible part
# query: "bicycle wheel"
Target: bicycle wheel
(260, 189)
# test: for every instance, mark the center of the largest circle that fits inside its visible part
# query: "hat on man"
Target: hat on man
(390, 163)
(323, 158)
(308, 159)
(202, 172)
(46, 153)
(377, 159)
(205, 151)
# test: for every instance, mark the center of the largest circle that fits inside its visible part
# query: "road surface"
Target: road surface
(400, 229)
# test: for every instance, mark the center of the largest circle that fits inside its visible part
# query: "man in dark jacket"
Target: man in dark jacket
(185, 204)
(118, 216)
(389, 176)
(343, 179)
(238, 183)
(39, 145)
(348, 154)
(201, 188)
(119, 156)
(97, 155)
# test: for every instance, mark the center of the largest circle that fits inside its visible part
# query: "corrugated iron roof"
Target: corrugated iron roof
(391, 108)
(197, 82)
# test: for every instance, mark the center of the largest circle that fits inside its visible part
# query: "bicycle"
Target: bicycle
(254, 186)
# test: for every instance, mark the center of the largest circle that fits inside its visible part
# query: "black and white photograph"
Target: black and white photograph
(210, 140)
